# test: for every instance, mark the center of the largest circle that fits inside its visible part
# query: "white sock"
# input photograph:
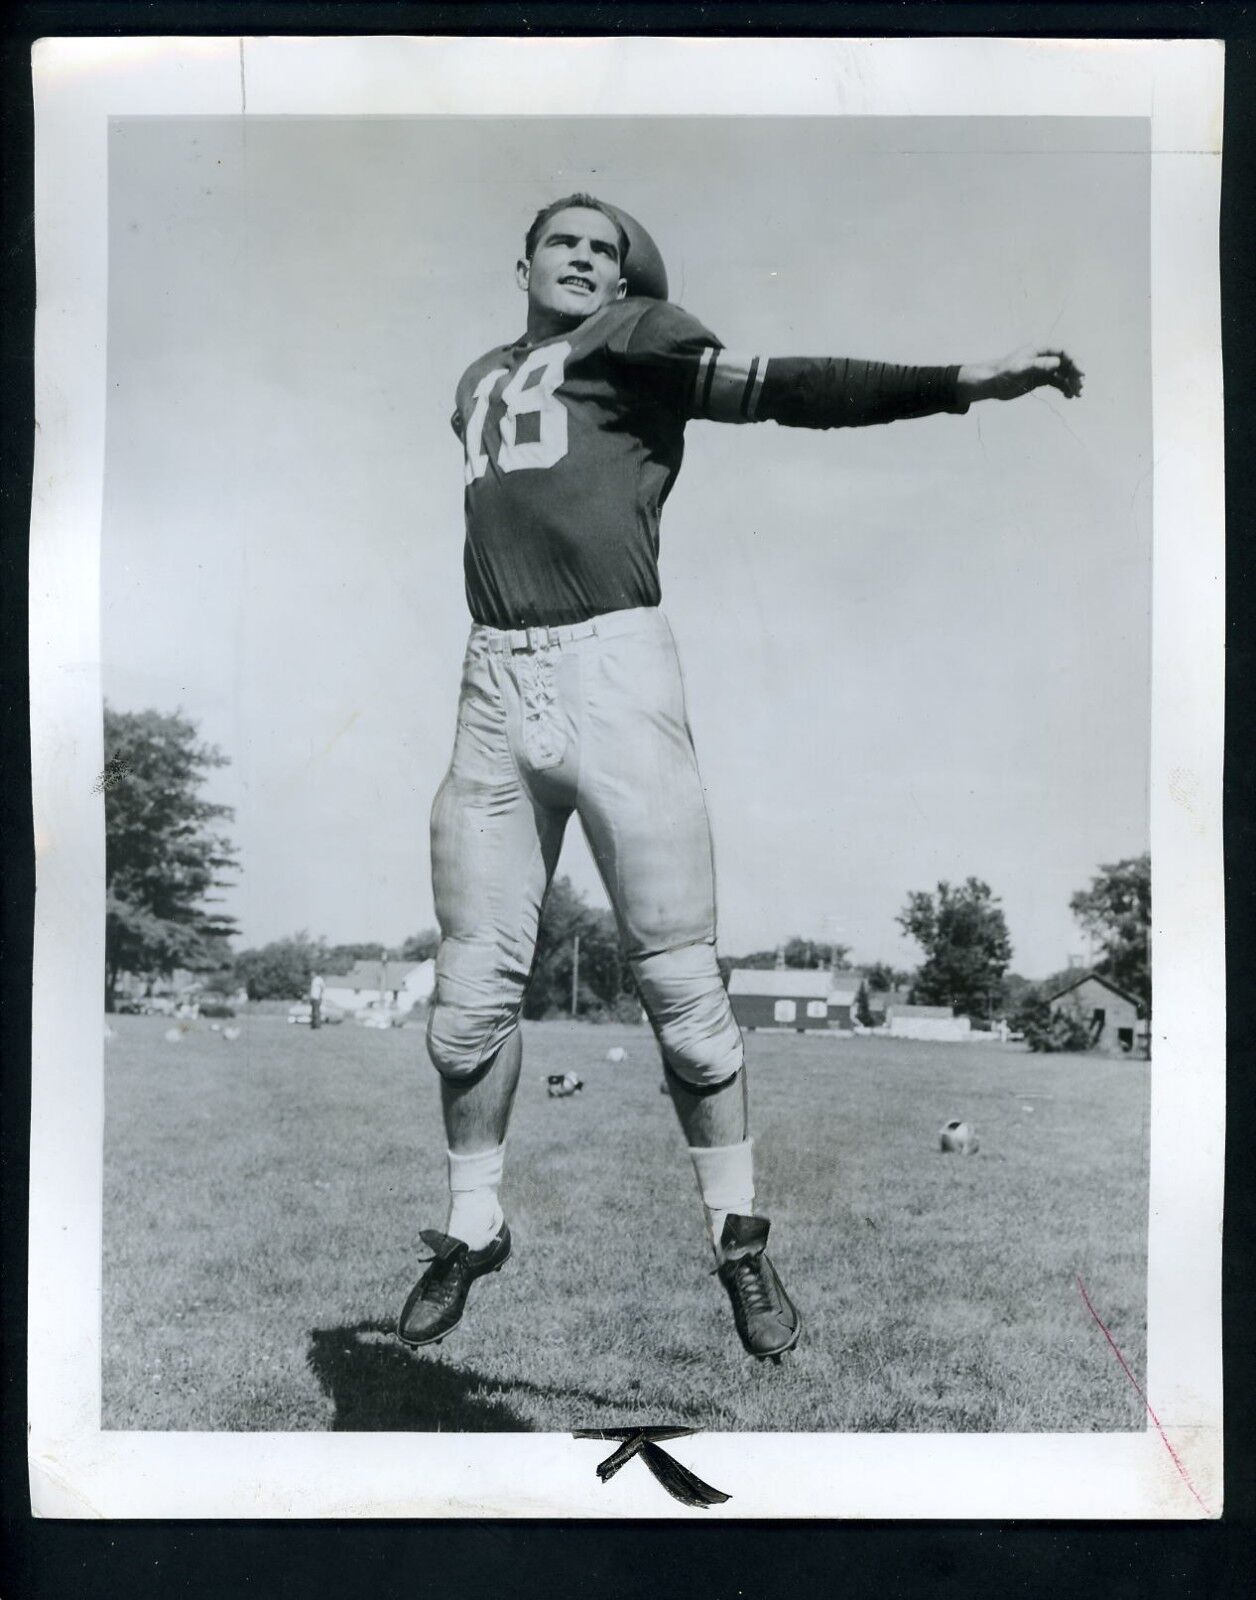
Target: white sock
(474, 1213)
(725, 1182)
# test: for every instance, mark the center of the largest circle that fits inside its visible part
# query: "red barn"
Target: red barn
(781, 997)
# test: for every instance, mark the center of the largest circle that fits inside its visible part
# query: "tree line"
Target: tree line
(168, 857)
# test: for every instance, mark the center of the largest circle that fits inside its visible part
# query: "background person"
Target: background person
(316, 1000)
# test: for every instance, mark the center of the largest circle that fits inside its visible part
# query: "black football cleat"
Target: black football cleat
(435, 1305)
(767, 1319)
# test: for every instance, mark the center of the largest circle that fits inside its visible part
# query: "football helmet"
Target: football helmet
(644, 270)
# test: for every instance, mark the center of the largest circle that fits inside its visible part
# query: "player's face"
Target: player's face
(575, 269)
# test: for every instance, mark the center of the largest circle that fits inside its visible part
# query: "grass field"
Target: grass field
(263, 1200)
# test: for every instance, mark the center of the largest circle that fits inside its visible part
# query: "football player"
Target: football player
(571, 702)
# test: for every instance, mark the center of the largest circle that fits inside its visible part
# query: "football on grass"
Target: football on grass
(959, 1139)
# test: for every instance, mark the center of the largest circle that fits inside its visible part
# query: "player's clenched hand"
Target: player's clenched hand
(1017, 374)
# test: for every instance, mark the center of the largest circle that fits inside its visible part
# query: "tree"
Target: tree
(1018, 992)
(882, 978)
(421, 946)
(340, 957)
(282, 969)
(1051, 985)
(863, 1010)
(1047, 1031)
(605, 983)
(1115, 911)
(965, 939)
(811, 954)
(756, 961)
(796, 952)
(165, 848)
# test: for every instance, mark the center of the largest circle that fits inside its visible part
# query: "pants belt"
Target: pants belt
(513, 640)
(541, 638)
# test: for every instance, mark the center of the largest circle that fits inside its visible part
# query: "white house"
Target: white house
(399, 984)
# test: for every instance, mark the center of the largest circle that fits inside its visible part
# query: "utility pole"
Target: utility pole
(575, 973)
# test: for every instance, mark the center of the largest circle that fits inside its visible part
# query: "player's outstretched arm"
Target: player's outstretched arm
(1012, 376)
(837, 392)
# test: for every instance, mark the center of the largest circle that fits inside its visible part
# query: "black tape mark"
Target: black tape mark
(115, 770)
(680, 1483)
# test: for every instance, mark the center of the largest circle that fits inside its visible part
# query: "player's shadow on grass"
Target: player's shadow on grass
(378, 1386)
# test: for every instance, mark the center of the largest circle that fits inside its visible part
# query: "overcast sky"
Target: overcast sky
(911, 652)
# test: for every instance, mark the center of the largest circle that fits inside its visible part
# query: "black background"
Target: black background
(68, 1560)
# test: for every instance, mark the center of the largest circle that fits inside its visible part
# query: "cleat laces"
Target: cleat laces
(767, 1322)
(754, 1287)
(439, 1283)
(438, 1286)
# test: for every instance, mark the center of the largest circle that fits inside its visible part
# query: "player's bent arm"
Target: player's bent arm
(834, 392)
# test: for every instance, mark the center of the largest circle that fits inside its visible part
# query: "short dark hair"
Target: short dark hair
(586, 202)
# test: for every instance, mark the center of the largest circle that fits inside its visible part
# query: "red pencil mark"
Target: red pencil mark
(1125, 1368)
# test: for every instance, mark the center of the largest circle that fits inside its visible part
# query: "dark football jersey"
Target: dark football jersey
(572, 445)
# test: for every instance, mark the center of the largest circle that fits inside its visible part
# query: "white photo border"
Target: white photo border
(1171, 1470)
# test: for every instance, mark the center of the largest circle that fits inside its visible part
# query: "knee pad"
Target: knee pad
(460, 1041)
(475, 1008)
(688, 1006)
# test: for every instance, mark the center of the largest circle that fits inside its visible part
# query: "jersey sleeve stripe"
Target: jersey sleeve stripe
(732, 386)
(756, 389)
(702, 381)
(750, 388)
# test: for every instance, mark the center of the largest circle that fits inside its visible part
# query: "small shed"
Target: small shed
(880, 1000)
(843, 999)
(789, 997)
(1112, 1015)
(925, 1022)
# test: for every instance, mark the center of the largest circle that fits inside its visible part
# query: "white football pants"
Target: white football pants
(589, 718)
